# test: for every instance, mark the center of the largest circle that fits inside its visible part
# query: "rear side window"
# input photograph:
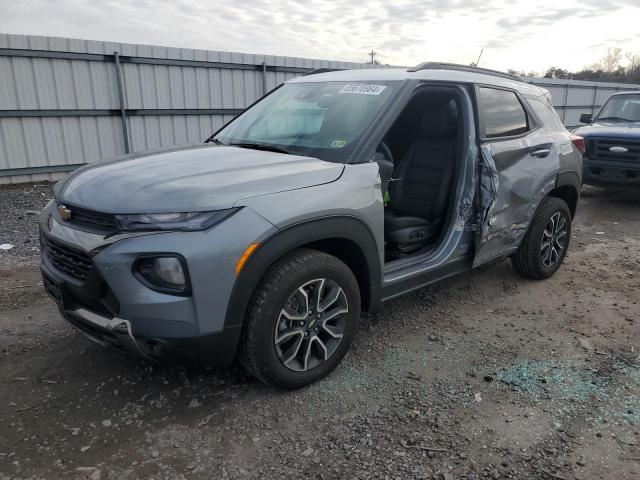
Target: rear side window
(501, 113)
(547, 114)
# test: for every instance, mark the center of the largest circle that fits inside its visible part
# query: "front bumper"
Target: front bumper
(610, 173)
(114, 331)
(114, 308)
(214, 349)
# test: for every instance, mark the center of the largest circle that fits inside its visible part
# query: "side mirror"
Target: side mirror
(586, 118)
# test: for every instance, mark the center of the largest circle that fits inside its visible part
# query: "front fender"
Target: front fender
(278, 245)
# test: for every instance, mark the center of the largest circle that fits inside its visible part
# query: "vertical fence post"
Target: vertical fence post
(123, 107)
(264, 78)
(595, 99)
(566, 99)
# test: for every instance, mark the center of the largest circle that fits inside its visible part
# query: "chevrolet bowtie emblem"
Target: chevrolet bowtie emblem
(65, 213)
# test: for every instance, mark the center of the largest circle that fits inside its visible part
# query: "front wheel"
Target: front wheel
(301, 320)
(545, 245)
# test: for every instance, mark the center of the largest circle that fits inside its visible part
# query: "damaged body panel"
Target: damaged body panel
(517, 172)
(512, 185)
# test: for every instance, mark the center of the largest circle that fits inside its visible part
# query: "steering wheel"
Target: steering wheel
(385, 150)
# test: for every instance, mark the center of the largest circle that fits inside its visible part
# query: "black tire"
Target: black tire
(528, 260)
(258, 352)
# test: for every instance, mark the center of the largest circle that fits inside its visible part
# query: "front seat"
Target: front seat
(385, 168)
(420, 190)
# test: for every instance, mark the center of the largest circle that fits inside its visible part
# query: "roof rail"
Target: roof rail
(463, 68)
(321, 70)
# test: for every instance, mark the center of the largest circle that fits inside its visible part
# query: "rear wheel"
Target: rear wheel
(301, 320)
(545, 245)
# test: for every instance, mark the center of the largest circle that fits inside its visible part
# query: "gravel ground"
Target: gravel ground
(483, 376)
(21, 206)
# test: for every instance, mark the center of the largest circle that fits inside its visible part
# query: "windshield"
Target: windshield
(323, 120)
(621, 108)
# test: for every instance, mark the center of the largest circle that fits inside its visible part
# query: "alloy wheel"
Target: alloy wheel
(554, 240)
(311, 324)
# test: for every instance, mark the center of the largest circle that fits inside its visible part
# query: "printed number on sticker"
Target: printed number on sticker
(363, 89)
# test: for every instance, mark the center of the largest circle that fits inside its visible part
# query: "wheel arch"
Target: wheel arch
(346, 238)
(568, 189)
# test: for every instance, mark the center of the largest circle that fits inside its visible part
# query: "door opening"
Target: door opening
(419, 159)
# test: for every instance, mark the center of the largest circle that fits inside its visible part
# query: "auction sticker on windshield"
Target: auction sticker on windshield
(363, 89)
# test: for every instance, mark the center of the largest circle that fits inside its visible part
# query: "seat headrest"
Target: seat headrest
(437, 122)
(632, 110)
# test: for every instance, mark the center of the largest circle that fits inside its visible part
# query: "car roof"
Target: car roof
(630, 92)
(434, 72)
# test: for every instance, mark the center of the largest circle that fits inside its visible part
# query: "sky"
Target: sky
(528, 36)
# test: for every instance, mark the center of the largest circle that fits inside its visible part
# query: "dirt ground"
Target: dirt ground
(485, 375)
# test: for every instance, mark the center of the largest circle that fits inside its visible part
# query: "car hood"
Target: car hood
(196, 178)
(610, 129)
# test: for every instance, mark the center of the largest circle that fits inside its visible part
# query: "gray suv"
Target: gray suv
(333, 193)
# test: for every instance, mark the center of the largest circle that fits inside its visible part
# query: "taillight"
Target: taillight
(578, 142)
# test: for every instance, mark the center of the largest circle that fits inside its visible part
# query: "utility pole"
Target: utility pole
(373, 54)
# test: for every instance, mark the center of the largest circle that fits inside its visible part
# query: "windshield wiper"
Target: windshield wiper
(262, 146)
(615, 118)
(214, 140)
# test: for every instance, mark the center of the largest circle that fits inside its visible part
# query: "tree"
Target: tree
(633, 68)
(555, 72)
(610, 62)
(588, 74)
(634, 61)
(610, 68)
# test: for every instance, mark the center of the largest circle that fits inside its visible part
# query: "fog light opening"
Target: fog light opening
(170, 270)
(166, 274)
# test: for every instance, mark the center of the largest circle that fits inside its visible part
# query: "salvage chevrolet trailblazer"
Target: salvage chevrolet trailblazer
(333, 193)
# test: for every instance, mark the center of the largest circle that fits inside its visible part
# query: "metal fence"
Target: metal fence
(64, 102)
(574, 97)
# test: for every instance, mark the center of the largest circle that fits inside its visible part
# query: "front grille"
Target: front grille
(95, 221)
(599, 149)
(68, 260)
(52, 289)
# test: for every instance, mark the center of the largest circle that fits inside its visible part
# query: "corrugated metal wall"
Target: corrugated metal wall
(60, 112)
(574, 97)
(60, 104)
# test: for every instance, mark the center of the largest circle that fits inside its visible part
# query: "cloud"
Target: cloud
(522, 34)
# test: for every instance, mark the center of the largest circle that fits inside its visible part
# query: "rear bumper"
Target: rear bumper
(601, 173)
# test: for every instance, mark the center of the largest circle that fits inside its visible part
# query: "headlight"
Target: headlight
(166, 274)
(173, 221)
